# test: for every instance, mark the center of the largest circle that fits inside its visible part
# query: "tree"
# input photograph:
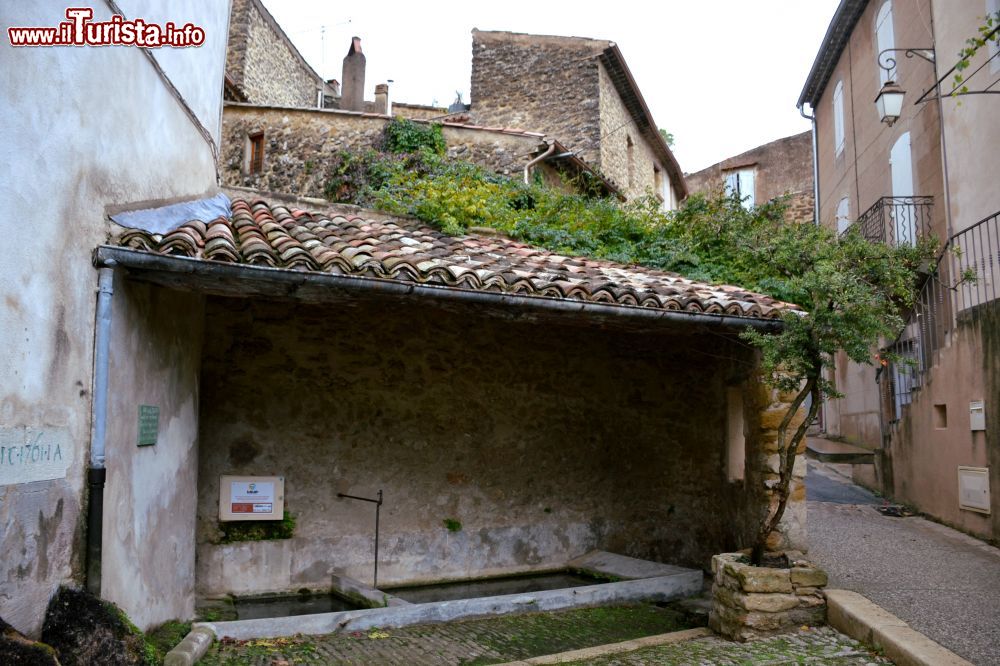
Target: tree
(667, 136)
(854, 293)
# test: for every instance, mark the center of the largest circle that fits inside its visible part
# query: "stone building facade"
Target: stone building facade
(298, 145)
(580, 91)
(778, 168)
(263, 63)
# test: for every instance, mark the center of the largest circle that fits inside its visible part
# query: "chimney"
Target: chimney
(382, 99)
(352, 97)
(334, 86)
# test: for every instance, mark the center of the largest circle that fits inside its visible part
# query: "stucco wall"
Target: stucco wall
(116, 137)
(543, 441)
(150, 498)
(541, 84)
(264, 64)
(862, 172)
(925, 457)
(971, 131)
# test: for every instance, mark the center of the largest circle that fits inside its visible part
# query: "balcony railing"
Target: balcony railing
(965, 280)
(896, 220)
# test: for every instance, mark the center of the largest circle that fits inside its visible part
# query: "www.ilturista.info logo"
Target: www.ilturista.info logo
(80, 30)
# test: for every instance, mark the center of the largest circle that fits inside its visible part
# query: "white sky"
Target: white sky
(722, 75)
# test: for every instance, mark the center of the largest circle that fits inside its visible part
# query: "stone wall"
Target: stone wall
(780, 167)
(298, 143)
(264, 63)
(542, 84)
(503, 153)
(626, 157)
(543, 442)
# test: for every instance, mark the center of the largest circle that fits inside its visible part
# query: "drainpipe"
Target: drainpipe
(541, 158)
(815, 143)
(97, 473)
(825, 418)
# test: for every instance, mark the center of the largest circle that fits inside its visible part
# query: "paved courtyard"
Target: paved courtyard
(509, 638)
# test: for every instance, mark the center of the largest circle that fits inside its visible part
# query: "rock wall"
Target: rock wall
(298, 145)
(780, 167)
(263, 62)
(542, 84)
(541, 441)
(626, 158)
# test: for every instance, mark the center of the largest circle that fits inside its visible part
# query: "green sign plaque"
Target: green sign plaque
(149, 424)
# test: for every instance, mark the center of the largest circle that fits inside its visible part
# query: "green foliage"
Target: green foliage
(257, 530)
(405, 136)
(452, 525)
(667, 136)
(973, 44)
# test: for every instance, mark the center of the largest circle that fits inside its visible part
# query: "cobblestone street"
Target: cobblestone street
(509, 638)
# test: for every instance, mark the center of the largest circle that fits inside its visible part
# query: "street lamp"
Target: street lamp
(889, 102)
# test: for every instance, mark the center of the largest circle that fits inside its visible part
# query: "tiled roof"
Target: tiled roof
(406, 250)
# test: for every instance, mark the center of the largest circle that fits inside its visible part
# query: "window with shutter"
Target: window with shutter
(884, 39)
(838, 117)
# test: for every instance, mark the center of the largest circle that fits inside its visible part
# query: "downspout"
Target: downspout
(541, 158)
(97, 473)
(815, 146)
(815, 143)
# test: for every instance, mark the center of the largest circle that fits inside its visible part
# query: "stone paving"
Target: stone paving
(508, 638)
(820, 645)
(486, 641)
(941, 582)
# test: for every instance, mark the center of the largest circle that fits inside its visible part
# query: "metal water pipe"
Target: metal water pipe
(97, 473)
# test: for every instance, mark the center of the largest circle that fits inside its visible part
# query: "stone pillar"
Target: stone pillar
(382, 99)
(764, 461)
(353, 96)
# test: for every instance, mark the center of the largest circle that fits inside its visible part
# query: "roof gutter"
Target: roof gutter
(293, 280)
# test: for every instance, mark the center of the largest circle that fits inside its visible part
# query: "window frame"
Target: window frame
(255, 153)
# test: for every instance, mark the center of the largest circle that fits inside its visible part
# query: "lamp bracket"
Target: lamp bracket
(888, 62)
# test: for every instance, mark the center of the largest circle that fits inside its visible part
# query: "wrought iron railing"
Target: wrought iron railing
(896, 220)
(966, 278)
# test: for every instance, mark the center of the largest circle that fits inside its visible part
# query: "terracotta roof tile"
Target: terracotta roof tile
(407, 250)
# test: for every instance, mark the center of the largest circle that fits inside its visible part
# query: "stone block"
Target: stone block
(808, 577)
(764, 579)
(769, 603)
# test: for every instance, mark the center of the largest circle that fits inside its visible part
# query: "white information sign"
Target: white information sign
(30, 454)
(251, 498)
